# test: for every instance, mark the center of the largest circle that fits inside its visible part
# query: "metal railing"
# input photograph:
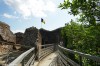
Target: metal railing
(21, 60)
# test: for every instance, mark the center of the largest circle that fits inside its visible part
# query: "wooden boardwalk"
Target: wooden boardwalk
(47, 60)
(47, 56)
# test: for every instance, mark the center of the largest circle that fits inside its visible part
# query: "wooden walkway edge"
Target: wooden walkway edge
(47, 60)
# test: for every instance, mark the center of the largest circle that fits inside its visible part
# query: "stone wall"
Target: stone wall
(30, 37)
(49, 37)
(19, 37)
(44, 36)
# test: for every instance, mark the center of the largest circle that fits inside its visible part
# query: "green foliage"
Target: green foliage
(82, 38)
(89, 10)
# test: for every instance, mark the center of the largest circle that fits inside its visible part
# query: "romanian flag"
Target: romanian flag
(42, 21)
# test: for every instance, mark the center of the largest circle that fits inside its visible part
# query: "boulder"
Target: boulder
(7, 38)
(6, 34)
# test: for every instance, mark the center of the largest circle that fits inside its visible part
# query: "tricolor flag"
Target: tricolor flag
(42, 21)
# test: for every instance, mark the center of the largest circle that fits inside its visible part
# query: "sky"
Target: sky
(22, 14)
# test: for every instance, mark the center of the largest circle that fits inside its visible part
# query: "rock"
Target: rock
(2, 62)
(7, 38)
(6, 34)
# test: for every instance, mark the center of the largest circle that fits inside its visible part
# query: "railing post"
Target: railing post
(39, 47)
(23, 62)
(38, 51)
(80, 60)
(55, 47)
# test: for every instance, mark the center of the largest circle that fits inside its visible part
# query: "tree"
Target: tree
(82, 38)
(89, 10)
(74, 33)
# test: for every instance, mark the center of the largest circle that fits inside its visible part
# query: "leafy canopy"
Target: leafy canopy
(89, 10)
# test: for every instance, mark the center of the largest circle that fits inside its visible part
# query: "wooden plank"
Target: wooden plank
(19, 59)
(30, 60)
(68, 60)
(94, 58)
(45, 53)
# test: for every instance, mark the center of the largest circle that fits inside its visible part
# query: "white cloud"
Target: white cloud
(28, 8)
(9, 16)
(15, 31)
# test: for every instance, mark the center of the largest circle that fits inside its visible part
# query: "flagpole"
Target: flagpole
(41, 25)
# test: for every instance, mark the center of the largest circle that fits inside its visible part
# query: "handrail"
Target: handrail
(46, 45)
(66, 60)
(19, 59)
(61, 58)
(94, 58)
(48, 49)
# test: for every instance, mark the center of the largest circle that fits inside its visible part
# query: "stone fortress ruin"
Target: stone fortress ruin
(11, 43)
(31, 37)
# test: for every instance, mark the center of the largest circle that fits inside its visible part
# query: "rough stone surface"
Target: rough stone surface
(49, 37)
(6, 34)
(44, 36)
(4, 49)
(31, 36)
(7, 38)
(19, 37)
